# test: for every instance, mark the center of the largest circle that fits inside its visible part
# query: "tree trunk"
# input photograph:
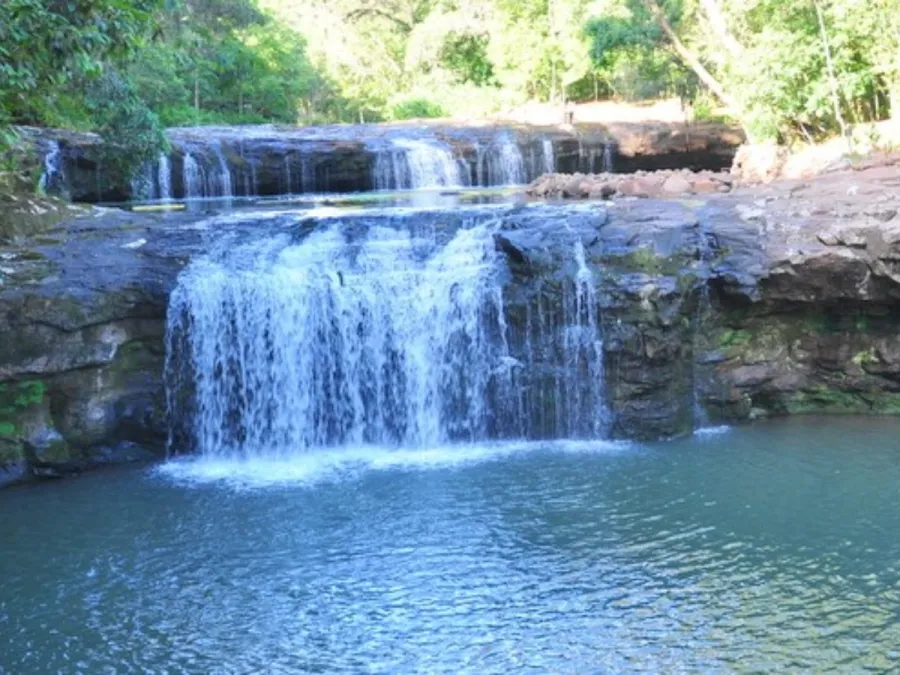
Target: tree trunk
(832, 78)
(691, 59)
(894, 97)
(196, 92)
(714, 13)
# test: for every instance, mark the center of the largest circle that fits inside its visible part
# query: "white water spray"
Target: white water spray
(53, 170)
(375, 335)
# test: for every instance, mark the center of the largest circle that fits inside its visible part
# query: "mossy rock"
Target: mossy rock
(830, 400)
(17, 402)
(735, 338)
(643, 259)
(27, 216)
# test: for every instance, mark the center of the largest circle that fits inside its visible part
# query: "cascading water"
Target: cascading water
(164, 178)
(548, 156)
(52, 176)
(503, 163)
(325, 343)
(143, 185)
(391, 170)
(307, 175)
(701, 419)
(608, 165)
(584, 346)
(374, 334)
(221, 179)
(205, 172)
(192, 177)
(416, 164)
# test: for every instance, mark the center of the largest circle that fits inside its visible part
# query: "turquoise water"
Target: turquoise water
(771, 546)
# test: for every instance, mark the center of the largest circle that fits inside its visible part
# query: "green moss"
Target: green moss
(57, 452)
(686, 282)
(864, 357)
(886, 404)
(735, 338)
(643, 259)
(16, 398)
(826, 400)
(11, 451)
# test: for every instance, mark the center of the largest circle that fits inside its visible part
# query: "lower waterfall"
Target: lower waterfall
(385, 335)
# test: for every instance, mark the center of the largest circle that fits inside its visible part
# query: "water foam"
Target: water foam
(351, 462)
(384, 331)
(712, 431)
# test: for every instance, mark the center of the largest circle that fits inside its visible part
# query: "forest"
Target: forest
(789, 70)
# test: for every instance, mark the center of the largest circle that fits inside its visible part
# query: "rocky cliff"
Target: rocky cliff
(764, 301)
(272, 160)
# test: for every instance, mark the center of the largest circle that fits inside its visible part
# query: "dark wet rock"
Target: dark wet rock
(760, 302)
(55, 470)
(277, 160)
(805, 295)
(83, 340)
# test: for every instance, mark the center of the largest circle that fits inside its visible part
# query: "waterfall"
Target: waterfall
(206, 173)
(307, 175)
(52, 175)
(548, 156)
(192, 177)
(608, 166)
(412, 164)
(505, 165)
(391, 170)
(430, 164)
(584, 347)
(142, 183)
(374, 334)
(288, 178)
(701, 419)
(317, 344)
(164, 178)
(221, 179)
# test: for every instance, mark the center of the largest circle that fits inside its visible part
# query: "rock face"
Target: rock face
(762, 301)
(259, 161)
(82, 314)
(805, 297)
(645, 184)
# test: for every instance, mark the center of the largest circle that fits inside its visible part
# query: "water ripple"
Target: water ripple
(765, 548)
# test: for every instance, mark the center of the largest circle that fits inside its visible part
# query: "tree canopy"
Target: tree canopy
(785, 69)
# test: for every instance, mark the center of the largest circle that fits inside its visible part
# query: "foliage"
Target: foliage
(128, 68)
(776, 75)
(416, 108)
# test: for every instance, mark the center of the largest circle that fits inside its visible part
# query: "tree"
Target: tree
(46, 44)
(690, 58)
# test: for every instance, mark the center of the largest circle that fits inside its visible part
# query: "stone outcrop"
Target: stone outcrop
(644, 184)
(82, 315)
(275, 160)
(763, 301)
(805, 284)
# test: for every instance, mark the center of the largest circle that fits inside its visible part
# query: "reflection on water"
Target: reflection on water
(767, 547)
